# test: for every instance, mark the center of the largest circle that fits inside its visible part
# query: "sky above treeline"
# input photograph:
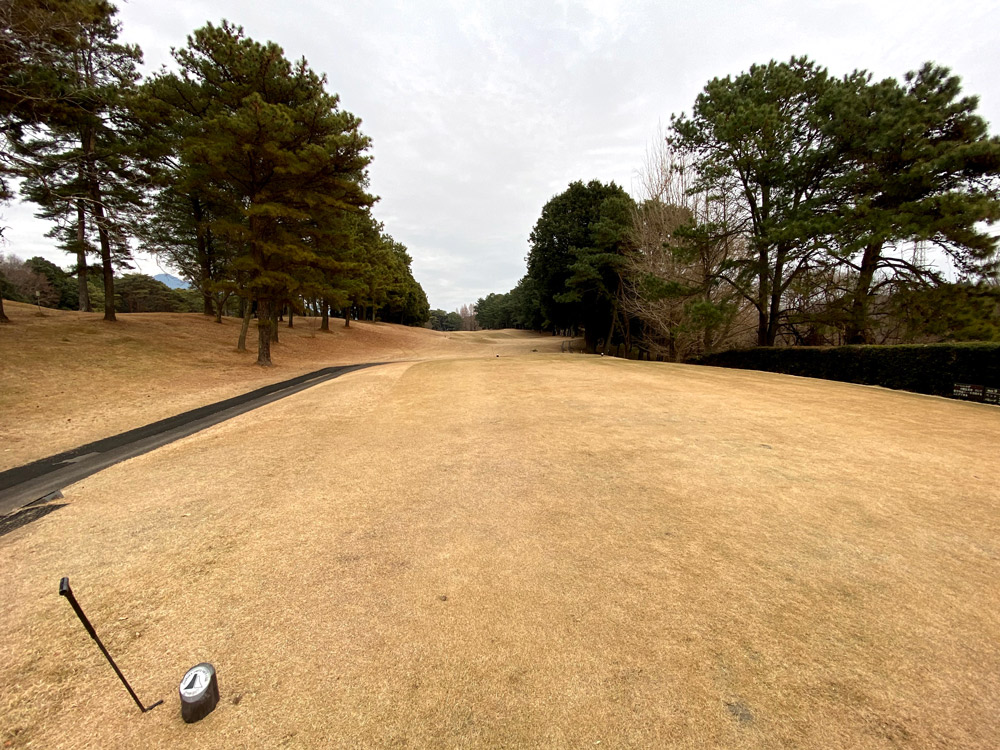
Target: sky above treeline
(482, 111)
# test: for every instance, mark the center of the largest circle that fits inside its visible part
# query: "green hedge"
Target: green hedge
(927, 368)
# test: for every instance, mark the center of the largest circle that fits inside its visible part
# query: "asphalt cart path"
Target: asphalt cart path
(36, 483)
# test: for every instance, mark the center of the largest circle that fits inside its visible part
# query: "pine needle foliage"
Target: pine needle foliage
(272, 151)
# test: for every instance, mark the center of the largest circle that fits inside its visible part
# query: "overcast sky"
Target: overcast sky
(481, 112)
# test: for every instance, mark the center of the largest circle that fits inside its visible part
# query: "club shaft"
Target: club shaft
(66, 591)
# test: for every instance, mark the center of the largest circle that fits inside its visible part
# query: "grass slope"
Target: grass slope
(70, 378)
(539, 551)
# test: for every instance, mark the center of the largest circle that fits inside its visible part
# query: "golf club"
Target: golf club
(65, 590)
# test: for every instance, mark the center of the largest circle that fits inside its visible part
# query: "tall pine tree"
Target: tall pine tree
(760, 140)
(277, 155)
(75, 152)
(918, 166)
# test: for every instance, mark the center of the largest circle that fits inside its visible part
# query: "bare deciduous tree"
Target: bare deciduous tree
(676, 280)
(468, 314)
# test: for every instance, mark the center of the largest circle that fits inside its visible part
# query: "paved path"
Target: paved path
(26, 484)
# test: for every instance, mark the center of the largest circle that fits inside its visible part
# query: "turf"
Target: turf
(69, 378)
(533, 551)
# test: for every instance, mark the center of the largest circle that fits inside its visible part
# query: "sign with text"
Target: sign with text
(968, 392)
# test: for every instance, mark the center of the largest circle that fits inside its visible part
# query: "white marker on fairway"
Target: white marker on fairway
(199, 692)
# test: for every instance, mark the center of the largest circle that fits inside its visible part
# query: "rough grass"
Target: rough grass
(538, 551)
(70, 378)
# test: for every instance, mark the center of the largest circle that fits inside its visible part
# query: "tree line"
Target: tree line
(462, 319)
(239, 168)
(789, 207)
(42, 282)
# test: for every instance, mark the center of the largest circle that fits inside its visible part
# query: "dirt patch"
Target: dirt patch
(544, 551)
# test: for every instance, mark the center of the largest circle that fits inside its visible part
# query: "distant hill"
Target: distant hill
(172, 281)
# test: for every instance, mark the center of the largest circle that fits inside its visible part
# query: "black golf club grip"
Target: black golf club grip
(64, 589)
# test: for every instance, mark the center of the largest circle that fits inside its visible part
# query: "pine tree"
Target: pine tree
(759, 139)
(36, 38)
(184, 204)
(301, 160)
(920, 166)
(76, 156)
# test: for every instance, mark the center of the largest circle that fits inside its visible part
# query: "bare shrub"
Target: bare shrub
(675, 281)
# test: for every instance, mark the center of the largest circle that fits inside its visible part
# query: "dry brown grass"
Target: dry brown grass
(69, 378)
(543, 551)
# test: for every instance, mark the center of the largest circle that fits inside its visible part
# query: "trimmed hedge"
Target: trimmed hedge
(925, 368)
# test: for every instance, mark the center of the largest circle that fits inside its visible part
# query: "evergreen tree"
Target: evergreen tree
(578, 246)
(61, 282)
(405, 301)
(947, 312)
(437, 319)
(920, 167)
(495, 311)
(760, 139)
(79, 167)
(452, 322)
(185, 204)
(179, 230)
(302, 160)
(835, 179)
(136, 292)
(526, 302)
(358, 248)
(36, 39)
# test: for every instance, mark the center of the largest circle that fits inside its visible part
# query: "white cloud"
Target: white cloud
(482, 111)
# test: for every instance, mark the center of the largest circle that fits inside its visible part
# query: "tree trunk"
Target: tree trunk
(97, 206)
(611, 333)
(763, 295)
(3, 315)
(291, 316)
(274, 326)
(707, 341)
(83, 291)
(241, 345)
(204, 260)
(265, 323)
(220, 306)
(203, 252)
(347, 318)
(771, 334)
(776, 292)
(325, 325)
(856, 331)
(109, 273)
